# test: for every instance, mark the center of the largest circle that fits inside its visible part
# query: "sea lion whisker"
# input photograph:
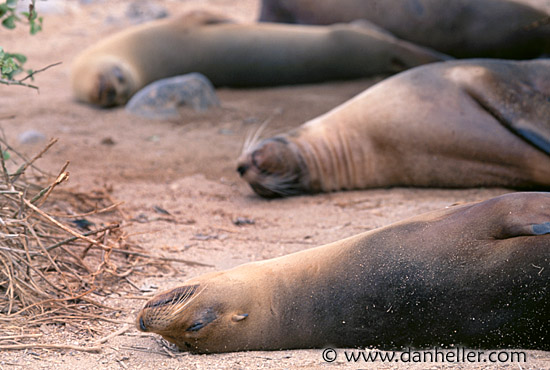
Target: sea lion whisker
(246, 142)
(249, 141)
(174, 309)
(169, 305)
(180, 307)
(173, 296)
(283, 185)
(254, 135)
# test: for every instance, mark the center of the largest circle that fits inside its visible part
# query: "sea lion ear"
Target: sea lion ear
(203, 319)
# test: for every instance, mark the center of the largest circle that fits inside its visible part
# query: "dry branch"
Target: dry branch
(49, 346)
(121, 331)
(51, 272)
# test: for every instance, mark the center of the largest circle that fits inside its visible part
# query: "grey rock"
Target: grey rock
(144, 11)
(164, 98)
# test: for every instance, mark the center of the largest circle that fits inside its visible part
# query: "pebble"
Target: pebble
(31, 137)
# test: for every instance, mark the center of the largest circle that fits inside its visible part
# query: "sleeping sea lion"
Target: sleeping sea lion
(452, 124)
(474, 275)
(462, 28)
(238, 55)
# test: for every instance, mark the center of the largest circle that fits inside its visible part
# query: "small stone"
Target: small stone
(144, 11)
(31, 137)
(239, 221)
(226, 131)
(108, 141)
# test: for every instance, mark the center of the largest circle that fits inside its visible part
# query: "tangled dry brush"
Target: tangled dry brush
(61, 250)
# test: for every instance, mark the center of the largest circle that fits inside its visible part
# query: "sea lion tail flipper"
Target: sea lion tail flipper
(377, 31)
(366, 24)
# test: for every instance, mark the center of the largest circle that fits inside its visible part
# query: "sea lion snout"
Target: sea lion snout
(158, 313)
(114, 86)
(202, 317)
(266, 158)
(273, 168)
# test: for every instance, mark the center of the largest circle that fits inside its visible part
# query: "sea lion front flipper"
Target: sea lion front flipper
(518, 105)
(541, 229)
(526, 215)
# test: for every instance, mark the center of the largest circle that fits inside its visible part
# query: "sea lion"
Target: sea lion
(452, 124)
(462, 28)
(239, 55)
(473, 275)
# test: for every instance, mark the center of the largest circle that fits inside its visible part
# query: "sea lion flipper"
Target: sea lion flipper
(529, 118)
(384, 282)
(528, 215)
(518, 105)
(368, 25)
(416, 50)
(541, 229)
(537, 140)
(524, 229)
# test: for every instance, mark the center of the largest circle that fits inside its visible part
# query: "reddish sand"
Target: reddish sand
(187, 167)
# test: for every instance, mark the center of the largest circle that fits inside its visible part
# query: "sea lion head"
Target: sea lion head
(106, 82)
(210, 315)
(274, 168)
(114, 85)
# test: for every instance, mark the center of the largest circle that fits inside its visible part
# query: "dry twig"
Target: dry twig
(49, 270)
(7, 347)
(121, 331)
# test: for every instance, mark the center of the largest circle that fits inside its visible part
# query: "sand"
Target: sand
(187, 167)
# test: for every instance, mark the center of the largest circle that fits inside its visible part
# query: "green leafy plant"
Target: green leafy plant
(12, 63)
(7, 13)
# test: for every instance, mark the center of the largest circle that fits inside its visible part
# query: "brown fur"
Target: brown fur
(462, 28)
(471, 275)
(452, 124)
(240, 55)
